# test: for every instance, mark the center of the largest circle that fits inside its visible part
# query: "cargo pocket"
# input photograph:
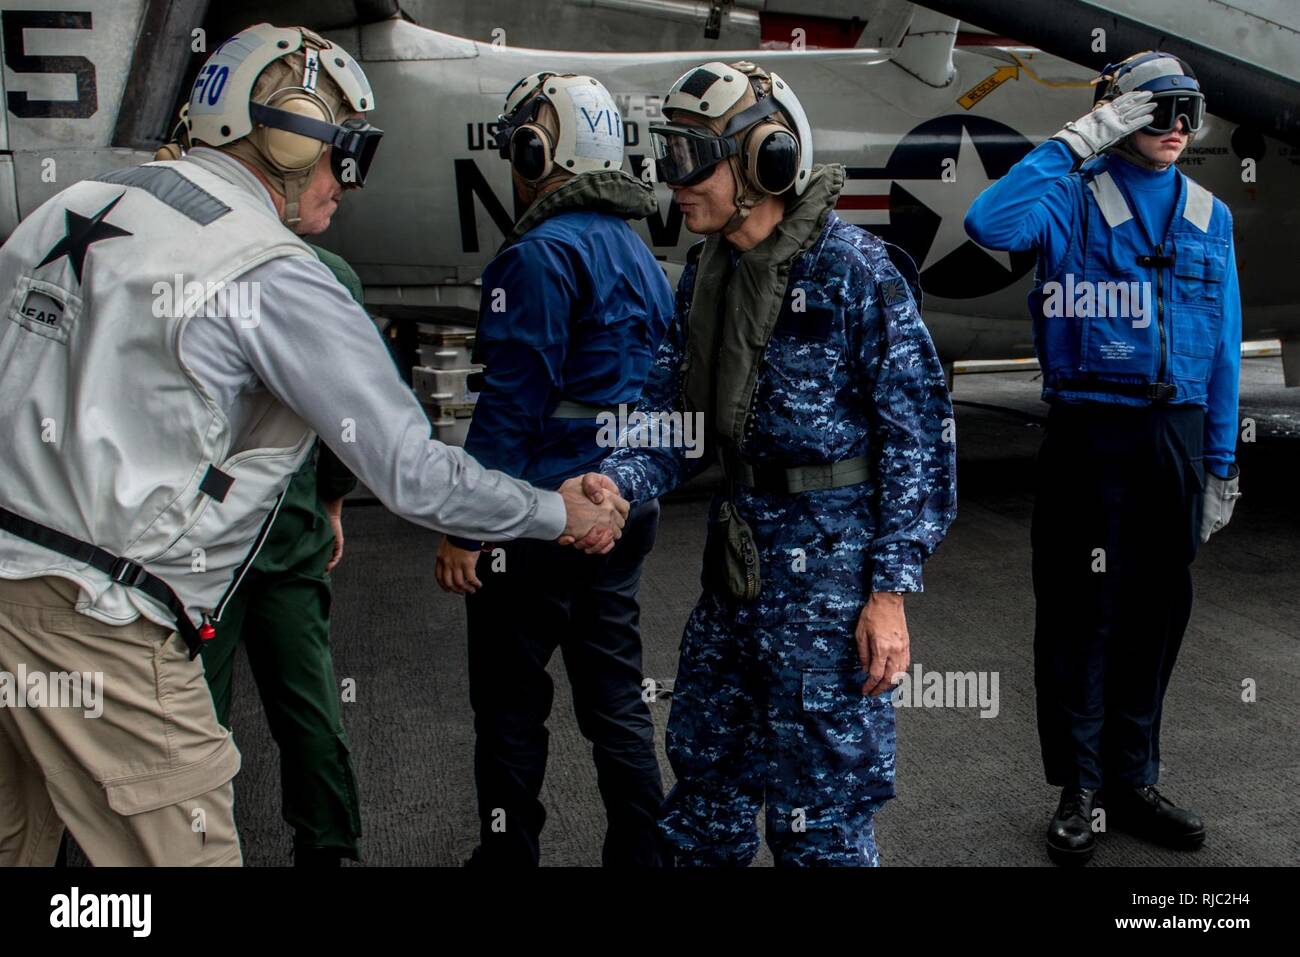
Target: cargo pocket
(140, 793)
(849, 733)
(1199, 267)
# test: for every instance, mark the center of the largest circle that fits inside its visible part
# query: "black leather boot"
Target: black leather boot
(1146, 813)
(1070, 838)
(317, 857)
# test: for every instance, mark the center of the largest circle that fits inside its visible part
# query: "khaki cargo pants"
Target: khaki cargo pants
(148, 781)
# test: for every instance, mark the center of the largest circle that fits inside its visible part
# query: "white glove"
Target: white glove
(1107, 125)
(1220, 498)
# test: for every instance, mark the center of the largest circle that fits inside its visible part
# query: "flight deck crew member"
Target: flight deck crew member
(169, 353)
(801, 345)
(574, 307)
(1136, 467)
(280, 614)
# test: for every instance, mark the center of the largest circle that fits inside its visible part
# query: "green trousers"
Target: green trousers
(280, 613)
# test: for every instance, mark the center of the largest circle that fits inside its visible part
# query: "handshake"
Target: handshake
(595, 513)
(594, 516)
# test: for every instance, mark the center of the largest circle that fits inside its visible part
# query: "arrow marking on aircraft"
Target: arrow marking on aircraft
(987, 85)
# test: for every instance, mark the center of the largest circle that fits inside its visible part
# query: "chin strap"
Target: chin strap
(534, 191)
(746, 198)
(180, 142)
(292, 192)
(1126, 149)
(737, 220)
(288, 185)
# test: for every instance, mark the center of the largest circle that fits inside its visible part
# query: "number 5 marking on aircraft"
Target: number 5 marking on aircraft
(12, 24)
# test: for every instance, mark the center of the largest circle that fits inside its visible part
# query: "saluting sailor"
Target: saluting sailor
(1136, 468)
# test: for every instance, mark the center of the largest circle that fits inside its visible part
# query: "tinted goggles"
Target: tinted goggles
(353, 142)
(354, 148)
(1189, 106)
(685, 155)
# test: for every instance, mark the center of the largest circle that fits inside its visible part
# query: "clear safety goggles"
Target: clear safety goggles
(685, 155)
(353, 142)
(1168, 109)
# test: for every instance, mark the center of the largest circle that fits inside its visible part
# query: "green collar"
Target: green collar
(733, 313)
(608, 191)
(803, 219)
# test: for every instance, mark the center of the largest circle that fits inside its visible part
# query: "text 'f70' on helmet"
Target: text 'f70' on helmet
(293, 122)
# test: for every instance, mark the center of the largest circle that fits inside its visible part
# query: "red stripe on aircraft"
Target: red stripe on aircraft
(969, 39)
(777, 30)
(863, 202)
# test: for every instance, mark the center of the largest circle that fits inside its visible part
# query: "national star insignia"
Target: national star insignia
(81, 233)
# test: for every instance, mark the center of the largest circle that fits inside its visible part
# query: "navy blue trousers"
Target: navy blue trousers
(549, 597)
(1115, 530)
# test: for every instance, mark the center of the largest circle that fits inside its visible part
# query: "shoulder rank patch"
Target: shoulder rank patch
(893, 292)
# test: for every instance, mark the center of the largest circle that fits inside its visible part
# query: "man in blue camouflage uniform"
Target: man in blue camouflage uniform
(826, 403)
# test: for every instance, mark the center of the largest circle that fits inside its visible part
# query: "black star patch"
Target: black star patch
(81, 233)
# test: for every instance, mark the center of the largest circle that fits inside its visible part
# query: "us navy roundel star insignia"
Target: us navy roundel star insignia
(920, 197)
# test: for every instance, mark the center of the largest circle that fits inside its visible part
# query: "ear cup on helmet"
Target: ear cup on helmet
(771, 155)
(292, 152)
(530, 151)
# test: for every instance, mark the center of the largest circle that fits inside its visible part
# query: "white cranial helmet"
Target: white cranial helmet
(590, 128)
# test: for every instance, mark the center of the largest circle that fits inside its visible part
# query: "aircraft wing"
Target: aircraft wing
(1246, 53)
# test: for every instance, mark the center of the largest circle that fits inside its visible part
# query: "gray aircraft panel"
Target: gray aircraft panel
(1264, 33)
(439, 199)
(586, 25)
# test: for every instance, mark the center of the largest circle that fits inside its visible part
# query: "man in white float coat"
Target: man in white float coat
(170, 350)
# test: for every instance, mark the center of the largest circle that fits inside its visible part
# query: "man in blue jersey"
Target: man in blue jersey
(1137, 326)
(574, 306)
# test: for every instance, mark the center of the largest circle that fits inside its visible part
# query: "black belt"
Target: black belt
(123, 571)
(1155, 391)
